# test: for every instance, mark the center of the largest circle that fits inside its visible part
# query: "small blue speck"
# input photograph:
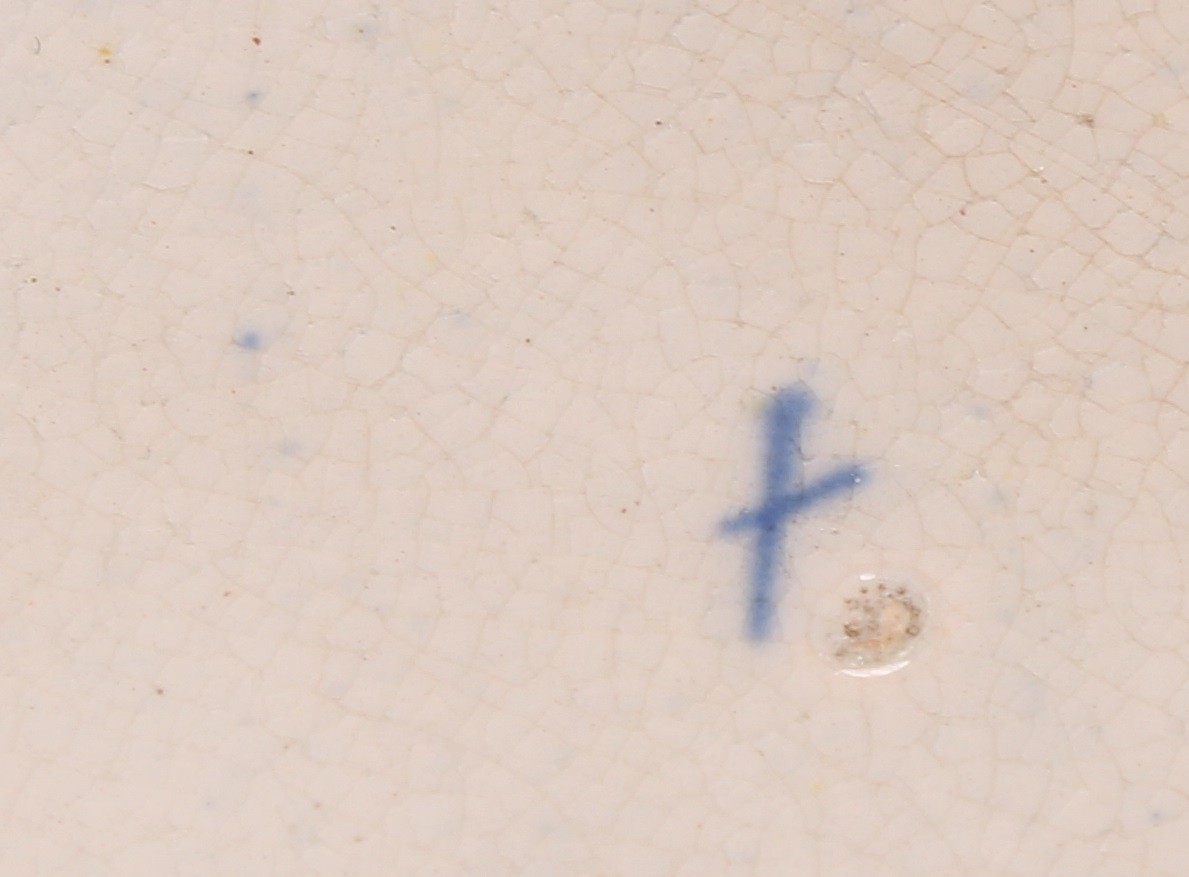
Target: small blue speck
(249, 340)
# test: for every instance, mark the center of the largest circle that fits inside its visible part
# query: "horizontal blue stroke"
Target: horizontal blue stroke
(784, 496)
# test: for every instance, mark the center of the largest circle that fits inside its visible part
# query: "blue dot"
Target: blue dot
(249, 340)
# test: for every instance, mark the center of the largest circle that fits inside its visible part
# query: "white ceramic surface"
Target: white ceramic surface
(378, 378)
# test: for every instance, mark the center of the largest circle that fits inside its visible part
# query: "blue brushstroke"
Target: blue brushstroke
(784, 496)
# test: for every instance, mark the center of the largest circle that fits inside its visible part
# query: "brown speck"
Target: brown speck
(256, 40)
(160, 690)
(881, 626)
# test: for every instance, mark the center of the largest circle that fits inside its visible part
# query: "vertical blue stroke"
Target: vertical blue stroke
(784, 496)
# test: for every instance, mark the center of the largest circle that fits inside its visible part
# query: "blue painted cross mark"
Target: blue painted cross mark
(784, 496)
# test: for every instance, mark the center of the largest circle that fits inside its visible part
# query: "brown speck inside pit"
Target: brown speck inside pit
(880, 624)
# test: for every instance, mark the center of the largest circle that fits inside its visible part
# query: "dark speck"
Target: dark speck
(256, 40)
